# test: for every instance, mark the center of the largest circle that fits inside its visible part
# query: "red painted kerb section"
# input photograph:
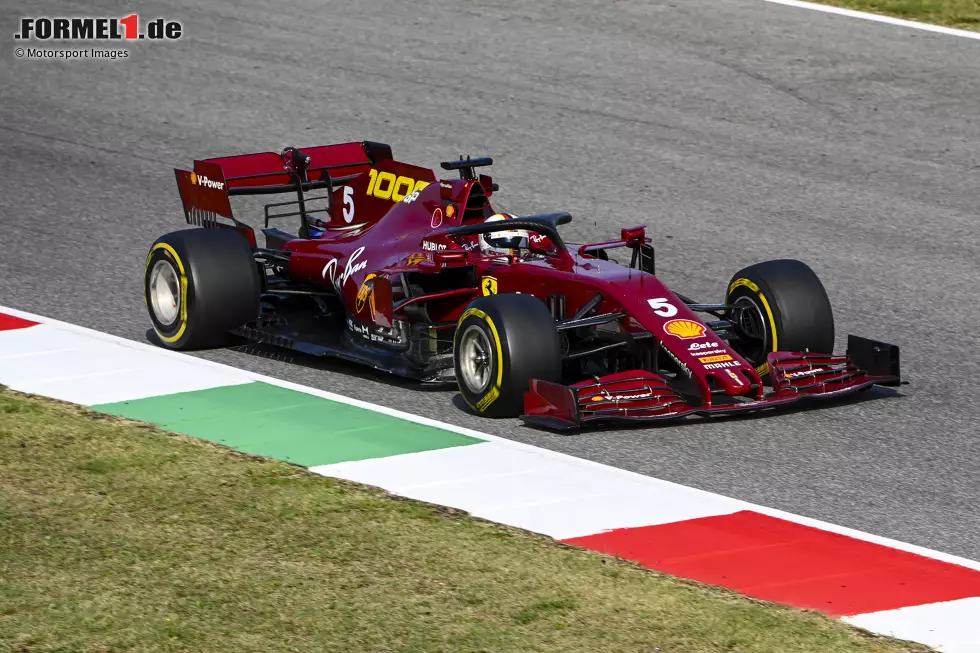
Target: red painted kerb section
(789, 563)
(9, 322)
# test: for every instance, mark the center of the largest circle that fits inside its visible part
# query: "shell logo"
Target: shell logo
(684, 329)
(194, 178)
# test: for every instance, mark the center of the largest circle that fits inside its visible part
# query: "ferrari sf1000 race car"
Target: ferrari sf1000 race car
(421, 277)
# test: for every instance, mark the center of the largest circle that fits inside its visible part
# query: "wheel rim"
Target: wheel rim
(164, 293)
(752, 324)
(475, 358)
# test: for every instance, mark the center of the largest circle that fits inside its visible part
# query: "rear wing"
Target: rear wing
(205, 192)
(248, 173)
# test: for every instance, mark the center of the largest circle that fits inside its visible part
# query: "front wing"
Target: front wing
(642, 396)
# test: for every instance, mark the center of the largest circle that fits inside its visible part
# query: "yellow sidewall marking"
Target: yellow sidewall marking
(495, 391)
(488, 399)
(764, 368)
(183, 291)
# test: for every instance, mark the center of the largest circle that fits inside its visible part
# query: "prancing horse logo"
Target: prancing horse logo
(489, 286)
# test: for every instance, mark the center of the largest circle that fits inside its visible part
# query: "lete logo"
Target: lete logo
(702, 346)
(330, 269)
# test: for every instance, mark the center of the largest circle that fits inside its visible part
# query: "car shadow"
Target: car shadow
(320, 363)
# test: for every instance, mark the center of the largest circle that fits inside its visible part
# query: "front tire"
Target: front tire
(501, 343)
(787, 309)
(198, 285)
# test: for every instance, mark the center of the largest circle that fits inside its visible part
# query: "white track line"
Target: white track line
(537, 492)
(926, 27)
(949, 626)
(559, 457)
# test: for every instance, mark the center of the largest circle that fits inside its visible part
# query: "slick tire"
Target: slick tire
(199, 284)
(787, 310)
(501, 343)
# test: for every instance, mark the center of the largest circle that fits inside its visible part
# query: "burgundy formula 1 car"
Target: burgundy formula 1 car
(419, 276)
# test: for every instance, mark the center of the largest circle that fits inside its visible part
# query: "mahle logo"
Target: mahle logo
(201, 180)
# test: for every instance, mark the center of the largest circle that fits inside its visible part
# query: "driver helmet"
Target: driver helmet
(507, 241)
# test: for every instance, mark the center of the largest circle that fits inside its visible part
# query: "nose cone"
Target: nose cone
(733, 380)
(720, 367)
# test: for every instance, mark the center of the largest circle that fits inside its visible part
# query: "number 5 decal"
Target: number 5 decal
(662, 307)
(348, 201)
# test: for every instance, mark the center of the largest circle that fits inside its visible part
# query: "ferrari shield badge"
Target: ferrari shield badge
(489, 286)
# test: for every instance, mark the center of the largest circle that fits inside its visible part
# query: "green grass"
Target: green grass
(118, 537)
(963, 14)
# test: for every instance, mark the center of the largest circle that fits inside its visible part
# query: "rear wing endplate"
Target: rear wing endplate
(204, 194)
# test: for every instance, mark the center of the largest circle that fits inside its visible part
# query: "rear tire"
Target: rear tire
(788, 309)
(198, 285)
(501, 343)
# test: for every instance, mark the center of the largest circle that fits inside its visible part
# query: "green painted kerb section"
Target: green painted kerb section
(267, 420)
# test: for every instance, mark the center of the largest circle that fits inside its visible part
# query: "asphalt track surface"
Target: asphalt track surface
(737, 130)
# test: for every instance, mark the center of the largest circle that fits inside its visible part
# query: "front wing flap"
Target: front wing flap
(644, 396)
